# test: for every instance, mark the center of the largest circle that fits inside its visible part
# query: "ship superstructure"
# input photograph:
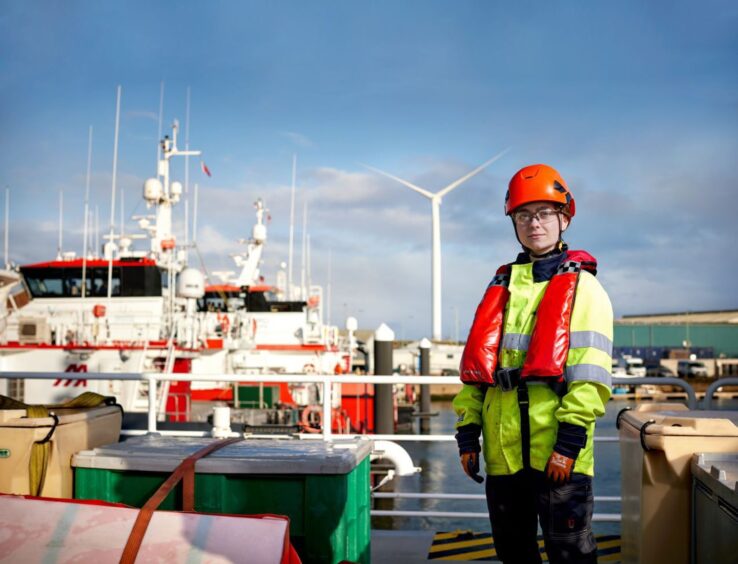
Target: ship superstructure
(133, 310)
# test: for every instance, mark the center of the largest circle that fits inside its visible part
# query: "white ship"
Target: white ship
(147, 311)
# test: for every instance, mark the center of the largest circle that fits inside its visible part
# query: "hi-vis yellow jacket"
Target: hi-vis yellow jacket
(588, 370)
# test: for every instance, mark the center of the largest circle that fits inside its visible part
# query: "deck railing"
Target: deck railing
(328, 381)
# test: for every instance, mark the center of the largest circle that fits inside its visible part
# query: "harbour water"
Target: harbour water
(442, 474)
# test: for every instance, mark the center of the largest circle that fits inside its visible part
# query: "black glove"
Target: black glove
(467, 438)
(570, 440)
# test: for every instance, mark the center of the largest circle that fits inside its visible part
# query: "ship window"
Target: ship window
(67, 282)
(220, 301)
(45, 283)
(256, 301)
(141, 281)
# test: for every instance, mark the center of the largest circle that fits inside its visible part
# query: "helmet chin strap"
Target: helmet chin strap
(559, 248)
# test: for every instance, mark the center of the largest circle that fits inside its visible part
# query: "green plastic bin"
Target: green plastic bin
(322, 487)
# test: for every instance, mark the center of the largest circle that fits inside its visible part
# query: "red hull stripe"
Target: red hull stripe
(77, 263)
(318, 348)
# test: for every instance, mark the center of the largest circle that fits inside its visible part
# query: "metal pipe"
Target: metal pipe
(152, 404)
(715, 386)
(397, 455)
(469, 497)
(600, 517)
(659, 381)
(327, 410)
(270, 378)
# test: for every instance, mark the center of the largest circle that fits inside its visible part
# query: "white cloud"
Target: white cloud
(298, 139)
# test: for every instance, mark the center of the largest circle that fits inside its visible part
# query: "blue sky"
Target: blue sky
(635, 103)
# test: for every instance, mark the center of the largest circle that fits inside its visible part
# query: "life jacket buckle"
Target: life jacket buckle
(507, 378)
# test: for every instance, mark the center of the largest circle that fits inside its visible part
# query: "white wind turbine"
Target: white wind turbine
(436, 238)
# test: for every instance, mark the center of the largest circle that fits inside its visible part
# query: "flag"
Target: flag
(205, 168)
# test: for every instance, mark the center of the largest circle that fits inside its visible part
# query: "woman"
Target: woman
(536, 373)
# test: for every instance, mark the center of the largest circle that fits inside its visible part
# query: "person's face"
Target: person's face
(537, 225)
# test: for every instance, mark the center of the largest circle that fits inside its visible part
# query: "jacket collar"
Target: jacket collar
(543, 269)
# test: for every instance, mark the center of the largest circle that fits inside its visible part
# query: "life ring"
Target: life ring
(311, 419)
(224, 321)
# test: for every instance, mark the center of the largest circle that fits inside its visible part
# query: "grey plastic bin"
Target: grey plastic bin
(715, 508)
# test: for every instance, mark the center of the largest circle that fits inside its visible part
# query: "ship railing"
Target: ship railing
(599, 517)
(715, 386)
(327, 382)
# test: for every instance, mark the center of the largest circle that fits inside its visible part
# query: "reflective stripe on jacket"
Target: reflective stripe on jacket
(588, 369)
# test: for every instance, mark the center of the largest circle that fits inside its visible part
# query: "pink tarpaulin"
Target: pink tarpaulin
(66, 531)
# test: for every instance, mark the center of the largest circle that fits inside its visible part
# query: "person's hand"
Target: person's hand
(470, 464)
(558, 469)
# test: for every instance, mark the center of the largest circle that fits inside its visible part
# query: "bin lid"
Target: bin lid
(682, 423)
(65, 416)
(719, 473)
(157, 453)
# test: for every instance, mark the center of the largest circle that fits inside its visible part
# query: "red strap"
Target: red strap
(185, 470)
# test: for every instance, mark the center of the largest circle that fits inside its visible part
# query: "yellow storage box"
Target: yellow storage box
(37, 443)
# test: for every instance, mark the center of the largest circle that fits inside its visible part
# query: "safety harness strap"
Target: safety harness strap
(186, 472)
(524, 421)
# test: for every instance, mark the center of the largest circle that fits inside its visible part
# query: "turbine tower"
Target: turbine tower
(435, 200)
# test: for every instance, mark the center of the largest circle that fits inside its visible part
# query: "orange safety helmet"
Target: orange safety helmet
(538, 183)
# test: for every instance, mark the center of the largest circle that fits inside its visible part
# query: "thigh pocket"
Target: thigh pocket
(570, 506)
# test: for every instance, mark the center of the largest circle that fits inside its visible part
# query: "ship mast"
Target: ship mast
(250, 260)
(163, 193)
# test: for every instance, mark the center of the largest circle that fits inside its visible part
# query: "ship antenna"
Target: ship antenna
(112, 199)
(292, 230)
(61, 224)
(309, 274)
(161, 115)
(194, 214)
(330, 285)
(122, 214)
(87, 213)
(304, 249)
(187, 176)
(7, 223)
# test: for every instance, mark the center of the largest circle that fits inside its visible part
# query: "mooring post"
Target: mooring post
(384, 419)
(425, 393)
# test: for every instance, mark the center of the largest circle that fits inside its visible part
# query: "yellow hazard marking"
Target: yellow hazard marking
(480, 546)
(608, 543)
(460, 544)
(489, 553)
(451, 535)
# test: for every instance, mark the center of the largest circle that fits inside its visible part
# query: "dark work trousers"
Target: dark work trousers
(517, 502)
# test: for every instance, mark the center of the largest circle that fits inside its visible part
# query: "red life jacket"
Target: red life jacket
(549, 343)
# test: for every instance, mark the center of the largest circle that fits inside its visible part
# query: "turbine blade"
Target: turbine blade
(480, 168)
(410, 185)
